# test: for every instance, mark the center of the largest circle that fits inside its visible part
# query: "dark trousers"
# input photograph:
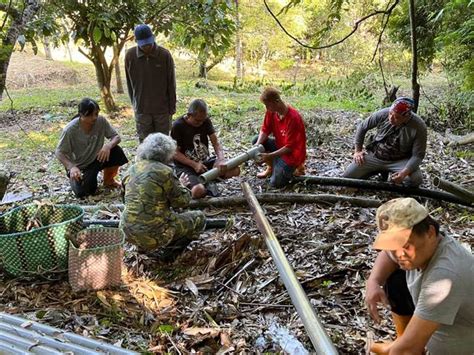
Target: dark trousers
(88, 184)
(282, 173)
(398, 295)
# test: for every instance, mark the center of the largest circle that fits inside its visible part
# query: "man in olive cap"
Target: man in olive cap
(151, 83)
(427, 279)
(398, 147)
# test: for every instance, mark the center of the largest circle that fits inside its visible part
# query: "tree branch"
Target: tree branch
(85, 54)
(10, 10)
(354, 29)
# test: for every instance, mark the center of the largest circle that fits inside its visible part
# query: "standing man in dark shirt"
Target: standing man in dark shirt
(151, 83)
(399, 145)
(192, 133)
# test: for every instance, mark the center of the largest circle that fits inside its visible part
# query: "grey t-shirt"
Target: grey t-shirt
(443, 293)
(81, 147)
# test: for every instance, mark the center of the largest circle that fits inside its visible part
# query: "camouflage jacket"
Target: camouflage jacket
(151, 191)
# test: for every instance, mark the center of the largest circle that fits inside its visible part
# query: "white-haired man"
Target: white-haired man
(428, 280)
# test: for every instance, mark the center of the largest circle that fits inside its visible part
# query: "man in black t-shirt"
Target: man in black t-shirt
(192, 133)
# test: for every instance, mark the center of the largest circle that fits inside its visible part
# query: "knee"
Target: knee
(415, 178)
(198, 191)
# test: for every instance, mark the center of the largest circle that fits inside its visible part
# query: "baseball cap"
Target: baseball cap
(395, 220)
(143, 35)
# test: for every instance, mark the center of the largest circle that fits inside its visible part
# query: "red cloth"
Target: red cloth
(288, 132)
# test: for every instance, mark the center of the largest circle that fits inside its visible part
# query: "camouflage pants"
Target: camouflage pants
(186, 224)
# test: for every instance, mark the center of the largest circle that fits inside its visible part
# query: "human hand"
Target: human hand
(75, 173)
(220, 165)
(359, 157)
(184, 179)
(263, 158)
(397, 178)
(381, 348)
(199, 167)
(103, 154)
(374, 294)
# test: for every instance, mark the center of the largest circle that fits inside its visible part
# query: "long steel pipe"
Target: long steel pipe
(319, 338)
(453, 188)
(232, 163)
(383, 186)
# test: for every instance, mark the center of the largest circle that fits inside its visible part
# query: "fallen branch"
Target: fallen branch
(270, 198)
(383, 186)
(454, 140)
(455, 189)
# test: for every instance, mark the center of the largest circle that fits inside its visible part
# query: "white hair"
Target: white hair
(158, 147)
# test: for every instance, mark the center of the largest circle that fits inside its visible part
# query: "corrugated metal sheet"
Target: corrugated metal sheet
(22, 336)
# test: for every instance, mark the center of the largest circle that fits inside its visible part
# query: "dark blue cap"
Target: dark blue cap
(143, 35)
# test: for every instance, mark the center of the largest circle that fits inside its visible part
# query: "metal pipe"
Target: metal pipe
(453, 188)
(319, 338)
(383, 186)
(232, 163)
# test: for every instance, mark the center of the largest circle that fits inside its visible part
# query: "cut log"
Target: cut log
(454, 140)
(383, 186)
(273, 198)
(455, 189)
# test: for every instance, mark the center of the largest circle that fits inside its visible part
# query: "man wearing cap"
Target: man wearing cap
(398, 147)
(151, 83)
(427, 279)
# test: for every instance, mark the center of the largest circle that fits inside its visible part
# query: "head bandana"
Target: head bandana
(402, 105)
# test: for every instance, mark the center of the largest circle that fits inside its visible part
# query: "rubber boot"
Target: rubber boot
(267, 172)
(400, 323)
(109, 177)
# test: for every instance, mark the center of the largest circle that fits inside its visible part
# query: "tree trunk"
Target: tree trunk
(202, 60)
(118, 74)
(4, 179)
(47, 48)
(18, 23)
(104, 77)
(415, 87)
(238, 45)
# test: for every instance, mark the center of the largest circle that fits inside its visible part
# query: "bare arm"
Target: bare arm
(104, 154)
(74, 171)
(415, 337)
(217, 147)
(262, 137)
(384, 266)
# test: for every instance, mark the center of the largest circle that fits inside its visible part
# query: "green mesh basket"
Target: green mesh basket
(34, 238)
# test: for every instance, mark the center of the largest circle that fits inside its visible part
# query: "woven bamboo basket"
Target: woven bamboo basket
(95, 259)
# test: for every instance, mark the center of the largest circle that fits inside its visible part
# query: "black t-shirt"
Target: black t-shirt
(192, 141)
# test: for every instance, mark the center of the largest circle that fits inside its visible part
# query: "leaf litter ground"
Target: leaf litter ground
(223, 294)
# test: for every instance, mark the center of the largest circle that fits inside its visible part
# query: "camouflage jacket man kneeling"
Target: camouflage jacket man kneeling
(152, 192)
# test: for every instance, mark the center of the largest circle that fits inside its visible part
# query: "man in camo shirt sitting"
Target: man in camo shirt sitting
(398, 147)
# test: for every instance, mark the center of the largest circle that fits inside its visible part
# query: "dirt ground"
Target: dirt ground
(224, 294)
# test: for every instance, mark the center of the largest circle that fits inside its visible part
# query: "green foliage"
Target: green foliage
(452, 111)
(206, 30)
